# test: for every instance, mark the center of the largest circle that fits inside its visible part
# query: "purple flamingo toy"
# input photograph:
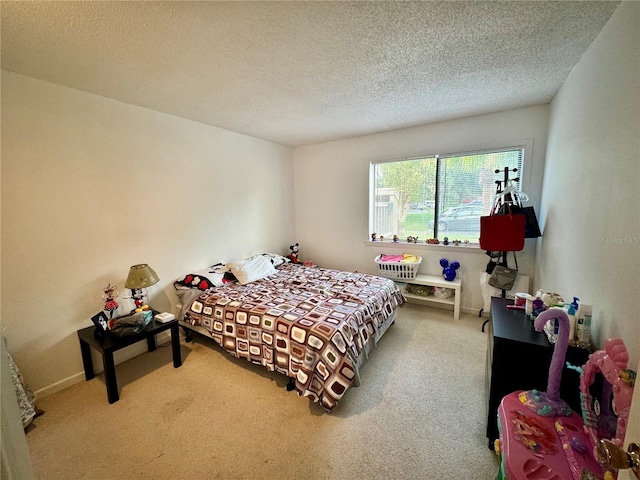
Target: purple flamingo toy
(549, 403)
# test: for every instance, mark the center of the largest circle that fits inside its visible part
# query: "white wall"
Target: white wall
(91, 186)
(591, 206)
(332, 190)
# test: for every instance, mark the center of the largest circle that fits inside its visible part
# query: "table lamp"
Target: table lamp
(140, 276)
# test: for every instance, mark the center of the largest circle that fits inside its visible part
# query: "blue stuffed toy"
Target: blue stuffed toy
(449, 270)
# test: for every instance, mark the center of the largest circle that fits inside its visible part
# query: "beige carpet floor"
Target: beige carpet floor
(418, 414)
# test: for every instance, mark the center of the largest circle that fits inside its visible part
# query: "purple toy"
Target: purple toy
(549, 403)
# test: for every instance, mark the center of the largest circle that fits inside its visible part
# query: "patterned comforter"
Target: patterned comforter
(314, 325)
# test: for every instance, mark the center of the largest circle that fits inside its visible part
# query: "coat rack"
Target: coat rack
(501, 186)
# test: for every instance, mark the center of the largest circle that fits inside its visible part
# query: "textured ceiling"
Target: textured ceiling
(299, 73)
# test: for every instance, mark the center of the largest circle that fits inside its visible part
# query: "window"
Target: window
(438, 196)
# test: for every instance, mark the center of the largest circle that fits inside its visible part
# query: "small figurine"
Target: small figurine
(293, 256)
(396, 239)
(373, 237)
(446, 241)
(456, 242)
(138, 297)
(411, 239)
(382, 238)
(108, 296)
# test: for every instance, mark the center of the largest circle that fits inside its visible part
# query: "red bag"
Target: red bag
(502, 233)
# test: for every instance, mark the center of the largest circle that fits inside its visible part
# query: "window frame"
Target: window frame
(523, 185)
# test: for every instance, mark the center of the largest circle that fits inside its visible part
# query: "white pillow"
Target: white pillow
(276, 259)
(252, 269)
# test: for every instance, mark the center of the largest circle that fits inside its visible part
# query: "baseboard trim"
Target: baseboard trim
(120, 356)
(61, 385)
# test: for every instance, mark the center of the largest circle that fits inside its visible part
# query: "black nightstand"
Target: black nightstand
(518, 358)
(110, 343)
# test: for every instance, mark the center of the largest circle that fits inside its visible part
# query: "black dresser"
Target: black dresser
(518, 358)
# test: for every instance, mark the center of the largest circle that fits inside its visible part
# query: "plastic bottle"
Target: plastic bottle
(536, 305)
(583, 324)
(571, 313)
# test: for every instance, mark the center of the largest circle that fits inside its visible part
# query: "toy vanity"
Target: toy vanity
(541, 438)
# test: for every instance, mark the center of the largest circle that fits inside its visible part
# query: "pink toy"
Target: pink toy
(549, 403)
(538, 447)
(600, 414)
(545, 441)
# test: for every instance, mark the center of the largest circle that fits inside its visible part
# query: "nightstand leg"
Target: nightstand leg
(151, 342)
(175, 346)
(110, 377)
(87, 362)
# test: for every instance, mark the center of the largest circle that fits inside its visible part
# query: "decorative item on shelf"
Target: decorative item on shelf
(295, 252)
(411, 239)
(445, 241)
(382, 238)
(374, 236)
(110, 293)
(432, 241)
(449, 269)
(396, 239)
(140, 277)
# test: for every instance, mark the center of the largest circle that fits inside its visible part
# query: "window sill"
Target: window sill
(470, 247)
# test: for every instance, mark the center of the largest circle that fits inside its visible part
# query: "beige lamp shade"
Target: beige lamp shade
(141, 276)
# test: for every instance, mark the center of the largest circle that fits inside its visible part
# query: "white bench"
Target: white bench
(435, 281)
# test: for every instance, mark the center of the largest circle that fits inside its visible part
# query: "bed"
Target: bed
(314, 325)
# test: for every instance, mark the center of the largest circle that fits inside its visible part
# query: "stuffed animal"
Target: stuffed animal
(293, 256)
(449, 270)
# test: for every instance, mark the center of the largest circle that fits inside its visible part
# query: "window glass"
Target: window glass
(413, 197)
